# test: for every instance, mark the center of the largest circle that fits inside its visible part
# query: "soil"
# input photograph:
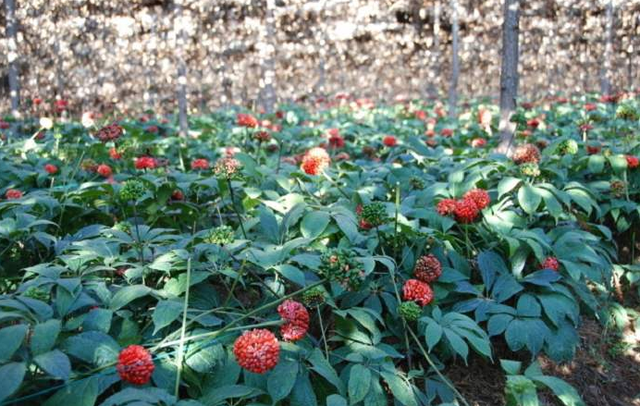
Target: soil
(605, 371)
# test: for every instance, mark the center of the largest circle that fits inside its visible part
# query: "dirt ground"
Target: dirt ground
(605, 371)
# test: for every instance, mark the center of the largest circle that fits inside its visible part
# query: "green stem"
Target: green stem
(238, 320)
(324, 338)
(235, 209)
(435, 368)
(183, 330)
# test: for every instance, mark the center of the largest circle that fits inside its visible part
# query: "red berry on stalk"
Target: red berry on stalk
(479, 196)
(417, 291)
(550, 263)
(135, 365)
(297, 320)
(446, 207)
(257, 350)
(428, 268)
(466, 211)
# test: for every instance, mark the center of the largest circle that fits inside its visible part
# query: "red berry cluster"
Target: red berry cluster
(526, 153)
(257, 350)
(145, 162)
(246, 120)
(135, 365)
(104, 170)
(390, 141)
(467, 209)
(315, 161)
(428, 268)
(110, 132)
(417, 291)
(199, 164)
(51, 169)
(550, 263)
(632, 161)
(13, 194)
(296, 319)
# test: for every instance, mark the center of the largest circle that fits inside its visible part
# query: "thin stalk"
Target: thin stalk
(235, 209)
(395, 225)
(183, 330)
(216, 333)
(324, 338)
(139, 247)
(435, 368)
(334, 183)
(238, 320)
(235, 282)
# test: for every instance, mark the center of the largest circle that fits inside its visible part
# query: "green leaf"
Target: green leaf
(44, 336)
(128, 294)
(11, 338)
(99, 320)
(165, 313)
(565, 392)
(321, 366)
(506, 185)
(400, 388)
(314, 223)
(529, 198)
(528, 306)
(511, 367)
(292, 273)
(302, 393)
(55, 363)
(336, 400)
(76, 393)
(228, 392)
(457, 343)
(433, 334)
(596, 163)
(359, 383)
(204, 360)
(269, 225)
(12, 375)
(282, 379)
(490, 265)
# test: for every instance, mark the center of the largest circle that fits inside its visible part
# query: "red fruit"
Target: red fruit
(246, 120)
(297, 320)
(145, 162)
(110, 132)
(177, 195)
(13, 194)
(466, 211)
(446, 207)
(199, 163)
(390, 141)
(590, 107)
(446, 132)
(343, 156)
(336, 141)
(51, 169)
(593, 149)
(152, 129)
(114, 154)
(262, 136)
(4, 125)
(550, 263)
(257, 350)
(420, 114)
(315, 161)
(60, 105)
(533, 123)
(428, 268)
(417, 291)
(37, 101)
(586, 127)
(479, 196)
(279, 114)
(135, 365)
(632, 161)
(526, 153)
(104, 170)
(478, 142)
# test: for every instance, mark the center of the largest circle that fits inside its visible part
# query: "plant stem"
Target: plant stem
(235, 209)
(324, 338)
(238, 320)
(183, 330)
(435, 368)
